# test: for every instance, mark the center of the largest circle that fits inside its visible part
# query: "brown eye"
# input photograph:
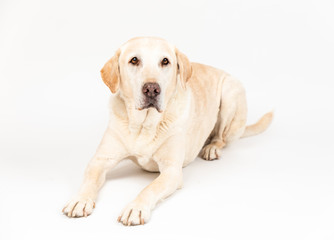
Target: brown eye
(164, 62)
(134, 61)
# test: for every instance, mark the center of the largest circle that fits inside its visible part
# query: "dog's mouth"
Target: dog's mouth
(150, 103)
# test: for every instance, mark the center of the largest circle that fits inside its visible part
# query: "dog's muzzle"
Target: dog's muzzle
(151, 91)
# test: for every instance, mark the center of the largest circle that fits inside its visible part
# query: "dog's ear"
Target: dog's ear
(184, 67)
(110, 73)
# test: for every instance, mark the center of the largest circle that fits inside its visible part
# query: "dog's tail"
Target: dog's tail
(260, 126)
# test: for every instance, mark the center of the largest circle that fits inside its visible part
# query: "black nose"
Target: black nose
(151, 89)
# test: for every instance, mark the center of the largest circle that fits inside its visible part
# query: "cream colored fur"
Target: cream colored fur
(202, 110)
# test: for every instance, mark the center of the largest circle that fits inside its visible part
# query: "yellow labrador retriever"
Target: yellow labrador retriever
(164, 111)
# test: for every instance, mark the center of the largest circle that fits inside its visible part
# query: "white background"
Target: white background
(53, 111)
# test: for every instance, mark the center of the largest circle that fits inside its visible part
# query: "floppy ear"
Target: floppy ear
(184, 67)
(110, 73)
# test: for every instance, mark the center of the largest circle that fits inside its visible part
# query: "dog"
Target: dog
(164, 112)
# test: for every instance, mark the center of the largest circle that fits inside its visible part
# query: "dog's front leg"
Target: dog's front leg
(109, 153)
(170, 158)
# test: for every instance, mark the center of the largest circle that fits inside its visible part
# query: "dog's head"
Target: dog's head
(147, 71)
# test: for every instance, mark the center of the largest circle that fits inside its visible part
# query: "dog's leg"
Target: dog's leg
(231, 119)
(108, 155)
(169, 157)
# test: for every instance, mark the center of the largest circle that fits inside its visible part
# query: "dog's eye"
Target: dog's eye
(164, 62)
(134, 61)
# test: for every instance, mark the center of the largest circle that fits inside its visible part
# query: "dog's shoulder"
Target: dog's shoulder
(204, 76)
(202, 70)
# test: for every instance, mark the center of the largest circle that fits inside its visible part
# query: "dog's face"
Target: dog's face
(146, 71)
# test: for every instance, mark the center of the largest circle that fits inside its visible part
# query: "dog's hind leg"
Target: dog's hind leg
(231, 119)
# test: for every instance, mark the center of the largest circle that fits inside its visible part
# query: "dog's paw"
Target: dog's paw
(134, 214)
(79, 207)
(210, 152)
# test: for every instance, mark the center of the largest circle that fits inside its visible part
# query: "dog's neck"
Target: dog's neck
(143, 121)
(150, 122)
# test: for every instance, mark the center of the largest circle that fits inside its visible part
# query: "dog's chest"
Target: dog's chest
(141, 135)
(142, 142)
(142, 145)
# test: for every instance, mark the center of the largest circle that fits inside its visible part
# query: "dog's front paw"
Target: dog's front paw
(135, 214)
(210, 152)
(79, 207)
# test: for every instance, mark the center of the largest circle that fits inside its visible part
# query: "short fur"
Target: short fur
(202, 110)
